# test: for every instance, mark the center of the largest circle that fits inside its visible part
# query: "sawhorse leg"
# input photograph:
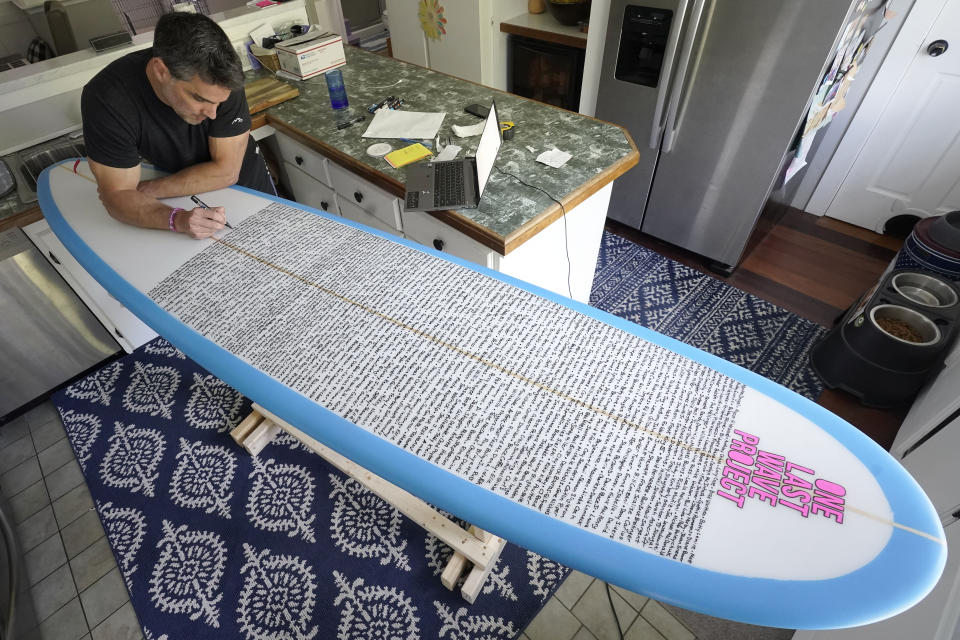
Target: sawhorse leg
(475, 550)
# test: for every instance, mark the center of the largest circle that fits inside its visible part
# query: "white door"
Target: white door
(910, 163)
(459, 52)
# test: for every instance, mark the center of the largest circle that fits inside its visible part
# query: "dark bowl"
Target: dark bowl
(569, 13)
(945, 231)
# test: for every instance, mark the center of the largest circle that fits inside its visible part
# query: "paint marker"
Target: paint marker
(201, 203)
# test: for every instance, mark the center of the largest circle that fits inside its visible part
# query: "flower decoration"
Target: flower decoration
(431, 19)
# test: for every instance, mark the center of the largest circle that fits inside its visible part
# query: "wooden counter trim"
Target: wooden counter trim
(546, 36)
(22, 219)
(258, 120)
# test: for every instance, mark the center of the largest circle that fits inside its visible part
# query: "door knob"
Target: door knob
(938, 48)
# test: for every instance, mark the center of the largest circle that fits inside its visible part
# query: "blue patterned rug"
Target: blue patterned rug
(213, 543)
(640, 285)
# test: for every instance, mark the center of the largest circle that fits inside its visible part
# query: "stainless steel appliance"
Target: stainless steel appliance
(713, 92)
(47, 335)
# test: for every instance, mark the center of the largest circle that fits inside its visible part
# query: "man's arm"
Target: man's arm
(119, 194)
(222, 171)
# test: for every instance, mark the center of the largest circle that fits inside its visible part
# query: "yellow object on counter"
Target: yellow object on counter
(407, 155)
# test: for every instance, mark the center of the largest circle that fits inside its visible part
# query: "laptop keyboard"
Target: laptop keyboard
(448, 184)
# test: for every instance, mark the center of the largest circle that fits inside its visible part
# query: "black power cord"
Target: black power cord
(566, 243)
(566, 240)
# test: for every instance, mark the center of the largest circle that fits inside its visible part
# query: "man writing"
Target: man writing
(181, 106)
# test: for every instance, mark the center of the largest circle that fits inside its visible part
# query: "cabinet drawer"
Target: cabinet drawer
(425, 229)
(310, 192)
(304, 158)
(361, 193)
(353, 212)
(126, 328)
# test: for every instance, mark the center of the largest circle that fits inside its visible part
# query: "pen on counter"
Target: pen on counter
(376, 105)
(425, 143)
(350, 122)
(200, 202)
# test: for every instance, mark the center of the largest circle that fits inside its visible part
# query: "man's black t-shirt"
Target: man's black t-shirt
(124, 121)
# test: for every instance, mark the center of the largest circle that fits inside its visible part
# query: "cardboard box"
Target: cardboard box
(311, 54)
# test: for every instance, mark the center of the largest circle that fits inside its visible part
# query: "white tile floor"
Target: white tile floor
(76, 591)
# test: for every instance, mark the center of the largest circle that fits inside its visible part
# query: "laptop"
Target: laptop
(455, 184)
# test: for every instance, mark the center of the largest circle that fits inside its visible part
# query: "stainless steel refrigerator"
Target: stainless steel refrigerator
(713, 93)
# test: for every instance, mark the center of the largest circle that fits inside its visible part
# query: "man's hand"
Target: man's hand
(125, 201)
(200, 222)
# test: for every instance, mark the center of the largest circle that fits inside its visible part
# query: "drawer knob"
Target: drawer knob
(358, 196)
(120, 335)
(438, 244)
(324, 204)
(299, 159)
(53, 257)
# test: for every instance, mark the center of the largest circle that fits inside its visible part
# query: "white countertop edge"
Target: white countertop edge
(65, 73)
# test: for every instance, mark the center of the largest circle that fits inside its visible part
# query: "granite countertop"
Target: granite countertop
(510, 212)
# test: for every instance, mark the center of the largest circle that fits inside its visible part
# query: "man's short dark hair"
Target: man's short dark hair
(192, 44)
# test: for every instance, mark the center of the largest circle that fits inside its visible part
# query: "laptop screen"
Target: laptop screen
(488, 147)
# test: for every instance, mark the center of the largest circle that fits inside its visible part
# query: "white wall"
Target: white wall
(473, 48)
(42, 100)
(16, 30)
(593, 59)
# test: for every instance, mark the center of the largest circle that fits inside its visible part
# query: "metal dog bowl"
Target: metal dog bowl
(922, 289)
(893, 315)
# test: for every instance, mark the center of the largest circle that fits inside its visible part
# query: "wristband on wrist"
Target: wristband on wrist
(173, 214)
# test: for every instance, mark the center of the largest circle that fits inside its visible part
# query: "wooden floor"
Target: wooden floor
(815, 267)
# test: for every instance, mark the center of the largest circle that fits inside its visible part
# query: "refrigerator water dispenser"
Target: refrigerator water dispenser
(643, 41)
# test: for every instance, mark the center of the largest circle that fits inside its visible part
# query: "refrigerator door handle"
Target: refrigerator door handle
(672, 126)
(663, 85)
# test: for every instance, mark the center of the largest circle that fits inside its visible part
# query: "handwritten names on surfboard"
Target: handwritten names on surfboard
(527, 398)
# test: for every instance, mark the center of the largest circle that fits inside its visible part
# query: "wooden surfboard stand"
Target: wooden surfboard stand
(475, 551)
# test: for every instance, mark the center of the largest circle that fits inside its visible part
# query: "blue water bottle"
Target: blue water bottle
(338, 93)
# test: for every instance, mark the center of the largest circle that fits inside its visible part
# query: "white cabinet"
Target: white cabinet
(310, 191)
(128, 330)
(354, 189)
(351, 211)
(561, 257)
(320, 183)
(938, 400)
(473, 47)
(425, 229)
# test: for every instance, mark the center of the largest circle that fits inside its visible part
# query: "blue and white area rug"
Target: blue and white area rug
(213, 543)
(640, 285)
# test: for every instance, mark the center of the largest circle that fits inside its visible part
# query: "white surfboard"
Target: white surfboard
(589, 439)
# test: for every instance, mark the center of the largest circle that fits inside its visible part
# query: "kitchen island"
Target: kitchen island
(517, 229)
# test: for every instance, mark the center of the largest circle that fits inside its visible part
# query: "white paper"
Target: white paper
(554, 158)
(471, 130)
(449, 152)
(261, 32)
(415, 125)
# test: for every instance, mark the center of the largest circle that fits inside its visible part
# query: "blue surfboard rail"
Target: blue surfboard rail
(899, 576)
